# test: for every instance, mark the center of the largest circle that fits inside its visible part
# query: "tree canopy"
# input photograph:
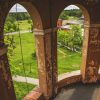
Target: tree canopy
(72, 39)
(69, 13)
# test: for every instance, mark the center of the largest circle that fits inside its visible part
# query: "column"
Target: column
(43, 49)
(54, 60)
(91, 54)
(6, 85)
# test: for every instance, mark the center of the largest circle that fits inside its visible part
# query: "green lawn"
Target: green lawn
(67, 61)
(30, 63)
(21, 89)
(24, 25)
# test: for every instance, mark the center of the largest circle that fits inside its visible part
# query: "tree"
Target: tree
(66, 14)
(9, 40)
(31, 25)
(10, 24)
(72, 38)
(75, 37)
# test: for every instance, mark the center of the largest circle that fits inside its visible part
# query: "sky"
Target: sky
(19, 8)
(71, 7)
(22, 9)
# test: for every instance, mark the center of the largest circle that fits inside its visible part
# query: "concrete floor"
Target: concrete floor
(80, 92)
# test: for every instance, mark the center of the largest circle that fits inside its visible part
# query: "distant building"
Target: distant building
(66, 24)
(61, 26)
(65, 28)
(59, 23)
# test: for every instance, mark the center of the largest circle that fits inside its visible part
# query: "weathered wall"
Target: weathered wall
(45, 14)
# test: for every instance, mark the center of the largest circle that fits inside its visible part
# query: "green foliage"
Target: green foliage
(31, 25)
(29, 21)
(10, 24)
(20, 15)
(28, 44)
(66, 14)
(72, 38)
(68, 61)
(23, 19)
(75, 40)
(21, 89)
(9, 40)
(63, 38)
(34, 54)
(28, 47)
(25, 25)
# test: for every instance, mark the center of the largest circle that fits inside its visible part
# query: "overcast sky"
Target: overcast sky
(19, 8)
(22, 9)
(71, 7)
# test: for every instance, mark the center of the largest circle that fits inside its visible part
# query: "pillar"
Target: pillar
(43, 49)
(6, 86)
(46, 46)
(91, 53)
(54, 60)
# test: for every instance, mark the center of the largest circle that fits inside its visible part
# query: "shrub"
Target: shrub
(34, 54)
(72, 39)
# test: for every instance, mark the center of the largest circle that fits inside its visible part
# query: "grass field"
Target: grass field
(24, 25)
(67, 61)
(30, 63)
(21, 89)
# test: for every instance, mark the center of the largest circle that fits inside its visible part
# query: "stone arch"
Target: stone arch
(66, 80)
(29, 6)
(84, 10)
(32, 10)
(37, 24)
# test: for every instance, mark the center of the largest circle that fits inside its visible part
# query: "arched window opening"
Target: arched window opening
(70, 38)
(18, 34)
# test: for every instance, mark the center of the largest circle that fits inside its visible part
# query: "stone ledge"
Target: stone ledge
(34, 95)
(69, 78)
(63, 80)
(68, 74)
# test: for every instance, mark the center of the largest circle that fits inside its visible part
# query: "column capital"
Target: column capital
(44, 31)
